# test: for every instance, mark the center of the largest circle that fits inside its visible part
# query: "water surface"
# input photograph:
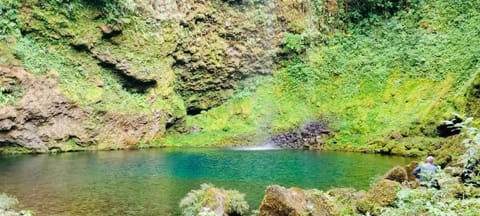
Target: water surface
(152, 182)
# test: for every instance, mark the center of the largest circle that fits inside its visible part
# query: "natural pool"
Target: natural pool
(152, 182)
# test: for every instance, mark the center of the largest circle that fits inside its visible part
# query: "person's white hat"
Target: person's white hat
(430, 159)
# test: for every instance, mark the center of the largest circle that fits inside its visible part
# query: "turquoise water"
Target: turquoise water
(152, 182)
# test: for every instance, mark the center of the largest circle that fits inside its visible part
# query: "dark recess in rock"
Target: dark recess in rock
(476, 91)
(131, 83)
(9, 144)
(448, 128)
(194, 110)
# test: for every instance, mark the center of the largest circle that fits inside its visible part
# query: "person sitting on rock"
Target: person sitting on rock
(425, 173)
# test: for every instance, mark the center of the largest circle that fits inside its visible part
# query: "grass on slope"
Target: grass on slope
(405, 74)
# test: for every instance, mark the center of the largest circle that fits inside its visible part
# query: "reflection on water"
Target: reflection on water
(152, 182)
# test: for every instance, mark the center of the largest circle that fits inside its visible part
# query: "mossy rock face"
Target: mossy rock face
(44, 120)
(473, 97)
(280, 201)
(221, 44)
(382, 194)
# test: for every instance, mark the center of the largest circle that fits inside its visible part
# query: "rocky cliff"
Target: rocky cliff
(109, 75)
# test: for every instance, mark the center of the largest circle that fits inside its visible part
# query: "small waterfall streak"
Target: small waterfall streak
(265, 147)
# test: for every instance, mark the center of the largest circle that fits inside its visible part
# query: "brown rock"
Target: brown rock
(109, 31)
(409, 168)
(320, 204)
(6, 125)
(382, 194)
(280, 201)
(398, 174)
(44, 119)
(396, 135)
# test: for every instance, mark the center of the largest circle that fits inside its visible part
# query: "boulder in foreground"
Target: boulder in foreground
(210, 200)
(382, 194)
(280, 201)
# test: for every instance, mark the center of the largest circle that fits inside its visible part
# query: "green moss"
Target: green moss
(11, 150)
(209, 200)
(55, 46)
(374, 80)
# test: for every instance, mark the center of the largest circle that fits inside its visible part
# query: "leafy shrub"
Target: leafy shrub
(6, 205)
(294, 43)
(431, 202)
(471, 158)
(7, 202)
(117, 11)
(208, 199)
(8, 18)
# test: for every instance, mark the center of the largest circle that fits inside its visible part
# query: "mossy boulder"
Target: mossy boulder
(280, 201)
(345, 199)
(6, 206)
(320, 203)
(409, 168)
(398, 174)
(210, 200)
(382, 194)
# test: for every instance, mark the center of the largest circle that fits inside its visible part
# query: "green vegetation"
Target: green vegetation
(61, 26)
(434, 202)
(210, 200)
(7, 203)
(370, 69)
(8, 18)
(401, 74)
(10, 96)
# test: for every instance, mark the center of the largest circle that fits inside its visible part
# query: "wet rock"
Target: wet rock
(398, 174)
(288, 140)
(310, 135)
(280, 201)
(382, 194)
(449, 128)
